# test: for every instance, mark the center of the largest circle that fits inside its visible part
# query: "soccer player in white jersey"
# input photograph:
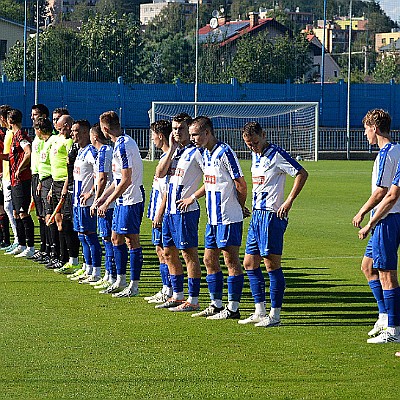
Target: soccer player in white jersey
(226, 192)
(160, 132)
(128, 193)
(380, 260)
(103, 179)
(270, 165)
(84, 223)
(180, 226)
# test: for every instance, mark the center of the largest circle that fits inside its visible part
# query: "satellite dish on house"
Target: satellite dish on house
(215, 14)
(213, 23)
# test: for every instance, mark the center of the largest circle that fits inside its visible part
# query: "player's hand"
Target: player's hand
(246, 212)
(183, 204)
(363, 233)
(283, 210)
(157, 222)
(92, 210)
(102, 209)
(358, 218)
(84, 197)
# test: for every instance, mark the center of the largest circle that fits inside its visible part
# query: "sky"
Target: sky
(391, 8)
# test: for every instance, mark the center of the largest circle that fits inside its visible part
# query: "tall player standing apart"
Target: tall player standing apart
(226, 192)
(128, 194)
(380, 261)
(102, 180)
(85, 223)
(160, 133)
(270, 165)
(180, 227)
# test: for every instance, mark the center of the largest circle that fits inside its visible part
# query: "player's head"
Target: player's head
(80, 132)
(43, 127)
(39, 110)
(160, 132)
(254, 136)
(96, 135)
(4, 109)
(14, 117)
(201, 130)
(180, 127)
(109, 124)
(57, 113)
(376, 122)
(64, 125)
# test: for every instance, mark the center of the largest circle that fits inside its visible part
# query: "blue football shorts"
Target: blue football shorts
(127, 219)
(220, 236)
(83, 221)
(265, 234)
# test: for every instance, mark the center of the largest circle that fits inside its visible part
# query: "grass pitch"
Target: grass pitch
(61, 340)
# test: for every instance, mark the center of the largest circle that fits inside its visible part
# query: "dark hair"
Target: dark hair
(203, 123)
(162, 126)
(44, 125)
(4, 109)
(182, 117)
(111, 119)
(42, 108)
(252, 128)
(97, 130)
(15, 116)
(379, 118)
(61, 111)
(84, 124)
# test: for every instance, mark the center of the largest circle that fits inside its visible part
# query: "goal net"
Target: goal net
(291, 125)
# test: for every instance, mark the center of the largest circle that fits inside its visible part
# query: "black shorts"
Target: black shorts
(21, 196)
(1, 197)
(46, 186)
(66, 209)
(37, 200)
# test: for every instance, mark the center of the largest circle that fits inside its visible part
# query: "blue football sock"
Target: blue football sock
(235, 287)
(164, 272)
(215, 285)
(136, 263)
(257, 284)
(392, 302)
(194, 287)
(121, 258)
(277, 287)
(95, 249)
(177, 283)
(377, 291)
(85, 249)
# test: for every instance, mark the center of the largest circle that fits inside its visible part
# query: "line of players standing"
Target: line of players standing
(87, 186)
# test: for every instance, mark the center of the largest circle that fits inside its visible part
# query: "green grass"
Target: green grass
(61, 340)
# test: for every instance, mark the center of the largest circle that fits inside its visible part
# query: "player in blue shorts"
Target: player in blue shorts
(85, 223)
(270, 165)
(160, 132)
(103, 179)
(226, 192)
(128, 194)
(180, 227)
(380, 261)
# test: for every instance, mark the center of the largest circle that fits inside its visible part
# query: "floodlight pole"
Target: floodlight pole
(323, 62)
(196, 78)
(348, 81)
(37, 53)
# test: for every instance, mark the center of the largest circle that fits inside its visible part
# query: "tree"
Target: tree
(260, 60)
(12, 10)
(388, 68)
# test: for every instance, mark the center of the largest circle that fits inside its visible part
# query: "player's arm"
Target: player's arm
(298, 184)
(157, 222)
(375, 198)
(165, 162)
(101, 184)
(4, 157)
(241, 190)
(183, 204)
(384, 207)
(26, 159)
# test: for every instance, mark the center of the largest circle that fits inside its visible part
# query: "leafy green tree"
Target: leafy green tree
(12, 10)
(388, 68)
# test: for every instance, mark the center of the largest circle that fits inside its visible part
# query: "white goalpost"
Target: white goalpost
(291, 125)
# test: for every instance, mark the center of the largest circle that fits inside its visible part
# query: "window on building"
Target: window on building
(383, 40)
(335, 73)
(3, 49)
(391, 40)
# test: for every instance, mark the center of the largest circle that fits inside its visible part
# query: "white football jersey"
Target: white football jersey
(384, 170)
(158, 189)
(186, 174)
(268, 171)
(221, 168)
(126, 155)
(83, 173)
(104, 164)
